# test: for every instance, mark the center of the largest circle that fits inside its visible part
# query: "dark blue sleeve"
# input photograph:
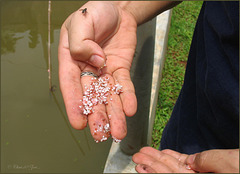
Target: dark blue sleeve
(206, 114)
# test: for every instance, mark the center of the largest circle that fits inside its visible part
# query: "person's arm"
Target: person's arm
(146, 10)
(104, 34)
(108, 14)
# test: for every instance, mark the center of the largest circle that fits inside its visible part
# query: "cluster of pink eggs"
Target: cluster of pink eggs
(99, 92)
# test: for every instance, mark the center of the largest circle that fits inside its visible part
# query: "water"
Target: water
(35, 134)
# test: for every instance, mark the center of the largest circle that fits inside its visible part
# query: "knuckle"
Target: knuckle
(77, 52)
(145, 149)
(167, 151)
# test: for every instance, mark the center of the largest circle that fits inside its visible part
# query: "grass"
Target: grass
(183, 21)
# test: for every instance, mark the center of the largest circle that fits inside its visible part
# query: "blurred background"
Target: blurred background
(36, 136)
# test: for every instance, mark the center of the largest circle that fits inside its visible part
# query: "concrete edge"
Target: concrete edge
(117, 161)
(162, 30)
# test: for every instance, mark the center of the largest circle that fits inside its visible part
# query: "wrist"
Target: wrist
(129, 7)
(142, 11)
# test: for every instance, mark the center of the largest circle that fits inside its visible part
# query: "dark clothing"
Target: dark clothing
(206, 114)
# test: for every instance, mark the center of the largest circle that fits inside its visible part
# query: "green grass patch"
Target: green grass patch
(183, 21)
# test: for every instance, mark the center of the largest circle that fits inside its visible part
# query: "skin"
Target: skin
(150, 160)
(216, 161)
(113, 38)
(106, 34)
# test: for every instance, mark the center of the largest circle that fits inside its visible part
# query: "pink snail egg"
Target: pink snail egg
(94, 101)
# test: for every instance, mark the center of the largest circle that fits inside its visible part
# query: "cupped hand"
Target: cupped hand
(102, 35)
(150, 160)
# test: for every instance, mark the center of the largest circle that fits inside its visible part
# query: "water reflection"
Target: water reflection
(8, 42)
(35, 133)
(69, 128)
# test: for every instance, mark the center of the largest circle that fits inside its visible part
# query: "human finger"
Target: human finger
(69, 78)
(128, 97)
(81, 44)
(179, 156)
(171, 162)
(141, 168)
(146, 162)
(88, 31)
(115, 111)
(94, 106)
(173, 159)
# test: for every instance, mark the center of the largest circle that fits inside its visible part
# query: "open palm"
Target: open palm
(110, 33)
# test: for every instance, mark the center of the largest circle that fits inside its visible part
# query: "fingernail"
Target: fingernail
(100, 71)
(191, 159)
(97, 61)
(188, 167)
(144, 167)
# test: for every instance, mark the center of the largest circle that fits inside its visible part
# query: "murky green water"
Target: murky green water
(35, 134)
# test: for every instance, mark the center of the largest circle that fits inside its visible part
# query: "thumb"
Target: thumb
(196, 162)
(81, 39)
(217, 161)
(89, 51)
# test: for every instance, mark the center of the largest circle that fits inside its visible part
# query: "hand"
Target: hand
(215, 161)
(150, 160)
(103, 34)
